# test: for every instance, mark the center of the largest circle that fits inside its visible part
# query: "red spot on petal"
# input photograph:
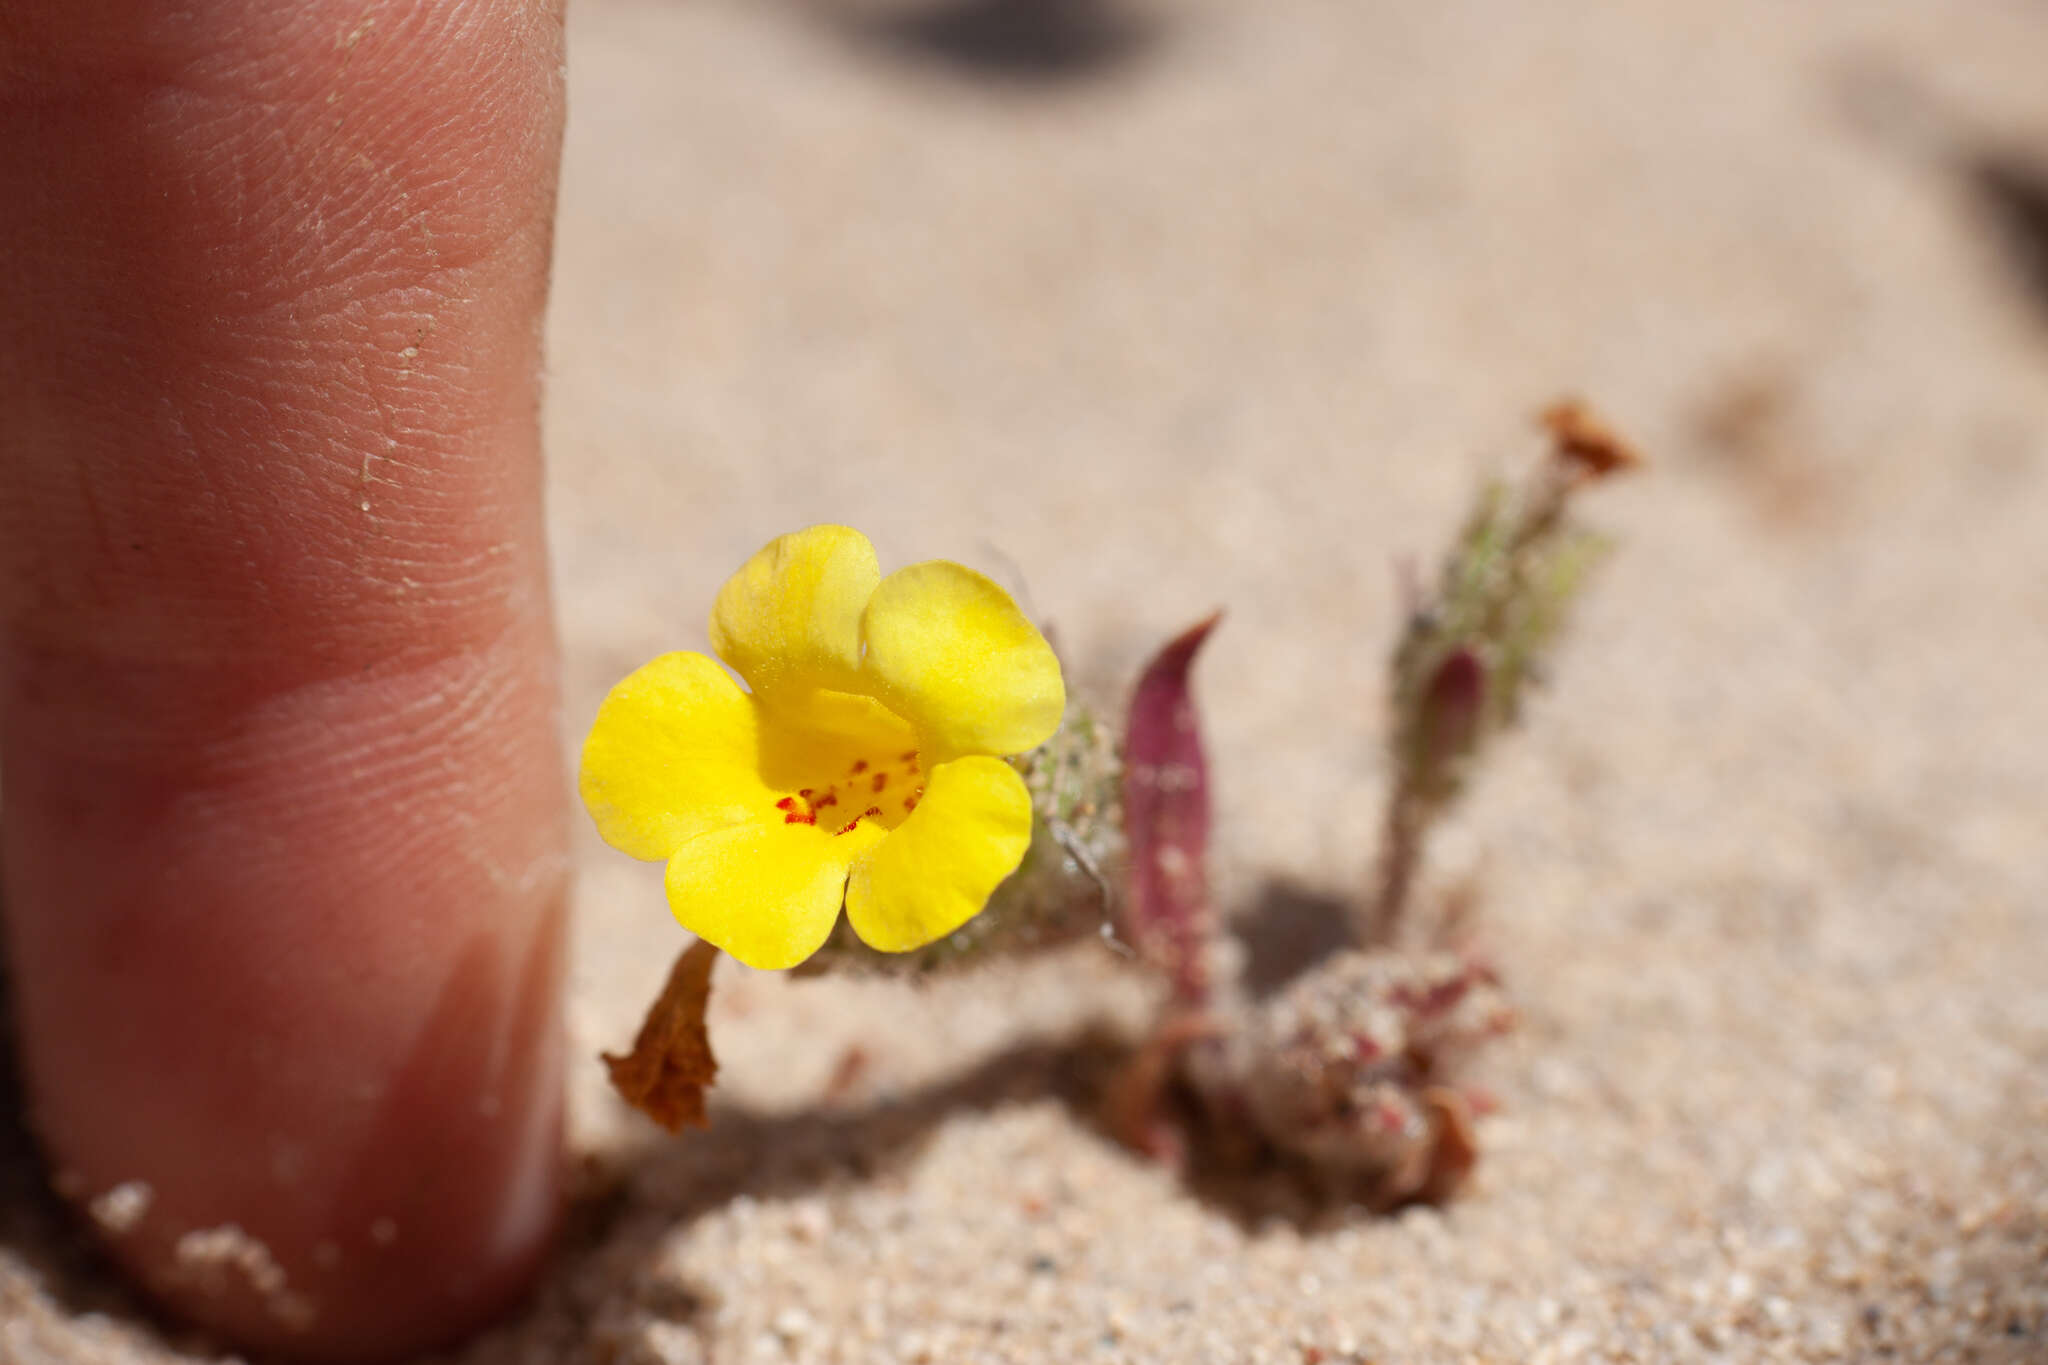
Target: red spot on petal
(847, 828)
(860, 765)
(881, 781)
(830, 798)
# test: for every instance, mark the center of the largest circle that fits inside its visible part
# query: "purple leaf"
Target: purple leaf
(1166, 819)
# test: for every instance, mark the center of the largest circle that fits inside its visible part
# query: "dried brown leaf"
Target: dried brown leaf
(671, 1066)
(1457, 1144)
(1586, 440)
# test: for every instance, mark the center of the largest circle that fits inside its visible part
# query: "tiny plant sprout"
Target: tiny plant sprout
(1348, 1076)
(902, 787)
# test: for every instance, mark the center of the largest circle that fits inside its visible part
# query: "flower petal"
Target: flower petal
(826, 735)
(950, 652)
(768, 894)
(673, 753)
(935, 870)
(789, 620)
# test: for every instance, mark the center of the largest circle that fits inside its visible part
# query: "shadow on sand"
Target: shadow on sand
(1016, 43)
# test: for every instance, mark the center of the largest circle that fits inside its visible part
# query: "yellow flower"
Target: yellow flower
(862, 768)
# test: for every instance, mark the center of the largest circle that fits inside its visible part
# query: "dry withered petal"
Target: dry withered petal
(1456, 1149)
(1585, 439)
(671, 1066)
(1169, 917)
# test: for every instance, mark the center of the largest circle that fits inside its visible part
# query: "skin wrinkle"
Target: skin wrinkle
(73, 699)
(137, 507)
(230, 148)
(455, 451)
(380, 287)
(404, 392)
(465, 815)
(416, 752)
(265, 52)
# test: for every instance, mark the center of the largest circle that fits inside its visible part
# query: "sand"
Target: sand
(1233, 308)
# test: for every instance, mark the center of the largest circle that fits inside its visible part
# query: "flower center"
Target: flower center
(881, 790)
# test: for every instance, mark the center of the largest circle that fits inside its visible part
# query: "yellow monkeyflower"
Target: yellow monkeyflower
(862, 767)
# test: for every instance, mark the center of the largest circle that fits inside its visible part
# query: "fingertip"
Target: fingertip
(304, 1010)
(284, 839)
